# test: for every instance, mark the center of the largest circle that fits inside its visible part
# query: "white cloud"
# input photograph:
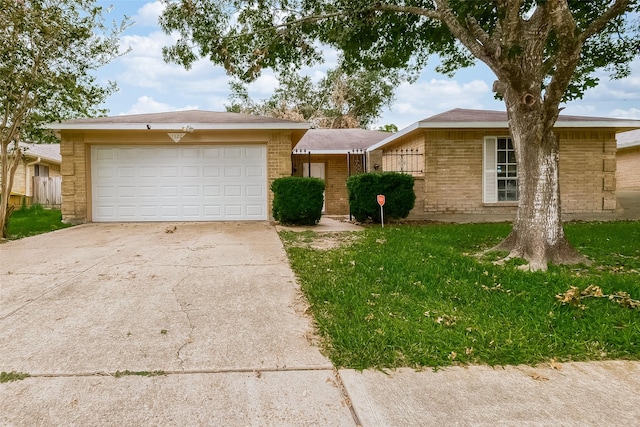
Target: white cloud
(146, 104)
(425, 98)
(147, 15)
(264, 85)
(631, 113)
(144, 67)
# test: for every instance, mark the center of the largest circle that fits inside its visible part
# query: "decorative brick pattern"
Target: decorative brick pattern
(628, 168)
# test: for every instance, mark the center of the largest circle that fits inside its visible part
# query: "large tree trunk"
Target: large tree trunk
(538, 234)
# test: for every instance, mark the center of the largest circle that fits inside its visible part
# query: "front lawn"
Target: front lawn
(416, 296)
(34, 220)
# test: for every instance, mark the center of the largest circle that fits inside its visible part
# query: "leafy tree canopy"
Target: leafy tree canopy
(339, 100)
(49, 50)
(247, 36)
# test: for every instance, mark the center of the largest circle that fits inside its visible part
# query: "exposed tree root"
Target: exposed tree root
(538, 260)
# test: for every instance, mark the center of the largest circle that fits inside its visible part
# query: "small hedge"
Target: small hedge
(396, 187)
(297, 200)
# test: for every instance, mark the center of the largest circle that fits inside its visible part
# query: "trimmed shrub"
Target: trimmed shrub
(396, 187)
(297, 200)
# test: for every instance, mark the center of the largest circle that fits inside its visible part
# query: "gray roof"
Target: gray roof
(197, 119)
(461, 118)
(339, 140)
(628, 139)
(49, 152)
(460, 115)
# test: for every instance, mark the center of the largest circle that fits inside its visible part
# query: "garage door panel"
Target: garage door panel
(254, 191)
(232, 191)
(232, 171)
(212, 211)
(212, 191)
(190, 191)
(159, 183)
(169, 172)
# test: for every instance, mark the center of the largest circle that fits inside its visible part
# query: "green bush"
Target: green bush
(297, 200)
(396, 187)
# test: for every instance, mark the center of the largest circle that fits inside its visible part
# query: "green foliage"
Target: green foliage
(396, 187)
(6, 377)
(49, 51)
(120, 374)
(339, 100)
(391, 128)
(416, 296)
(297, 200)
(34, 220)
(246, 37)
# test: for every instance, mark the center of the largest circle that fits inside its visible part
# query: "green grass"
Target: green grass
(7, 377)
(34, 220)
(417, 296)
(120, 374)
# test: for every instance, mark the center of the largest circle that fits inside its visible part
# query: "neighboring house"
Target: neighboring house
(177, 166)
(334, 155)
(628, 161)
(468, 165)
(37, 178)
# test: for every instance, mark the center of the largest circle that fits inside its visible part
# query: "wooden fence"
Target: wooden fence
(47, 191)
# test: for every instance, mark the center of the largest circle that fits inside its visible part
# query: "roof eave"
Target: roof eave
(616, 124)
(178, 126)
(393, 137)
(307, 151)
(43, 158)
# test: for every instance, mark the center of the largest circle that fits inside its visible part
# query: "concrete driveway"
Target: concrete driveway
(215, 306)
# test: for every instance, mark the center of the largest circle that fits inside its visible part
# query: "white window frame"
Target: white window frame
(490, 170)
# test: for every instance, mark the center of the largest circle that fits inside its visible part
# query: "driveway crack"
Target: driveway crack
(184, 309)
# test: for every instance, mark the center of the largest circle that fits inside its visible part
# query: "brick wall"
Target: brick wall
(278, 162)
(453, 173)
(587, 171)
(628, 170)
(74, 178)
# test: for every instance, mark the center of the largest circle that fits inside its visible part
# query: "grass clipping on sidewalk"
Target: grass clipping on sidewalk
(418, 296)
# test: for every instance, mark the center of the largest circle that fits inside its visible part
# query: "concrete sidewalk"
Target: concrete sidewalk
(572, 394)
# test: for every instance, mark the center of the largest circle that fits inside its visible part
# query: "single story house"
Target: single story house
(37, 178)
(628, 160)
(464, 164)
(176, 166)
(334, 155)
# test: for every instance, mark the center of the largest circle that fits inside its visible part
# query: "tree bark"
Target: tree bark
(9, 166)
(537, 235)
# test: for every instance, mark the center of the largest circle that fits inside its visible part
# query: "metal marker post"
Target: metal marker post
(381, 200)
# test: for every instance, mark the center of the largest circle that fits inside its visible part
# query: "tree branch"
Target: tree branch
(509, 30)
(616, 9)
(413, 10)
(466, 36)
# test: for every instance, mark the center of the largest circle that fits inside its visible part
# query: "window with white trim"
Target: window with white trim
(500, 179)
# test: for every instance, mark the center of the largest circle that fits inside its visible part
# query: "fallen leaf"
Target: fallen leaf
(538, 377)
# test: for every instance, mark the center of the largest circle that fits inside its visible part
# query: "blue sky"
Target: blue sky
(147, 84)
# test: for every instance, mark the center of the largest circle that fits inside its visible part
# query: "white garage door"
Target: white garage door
(183, 183)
